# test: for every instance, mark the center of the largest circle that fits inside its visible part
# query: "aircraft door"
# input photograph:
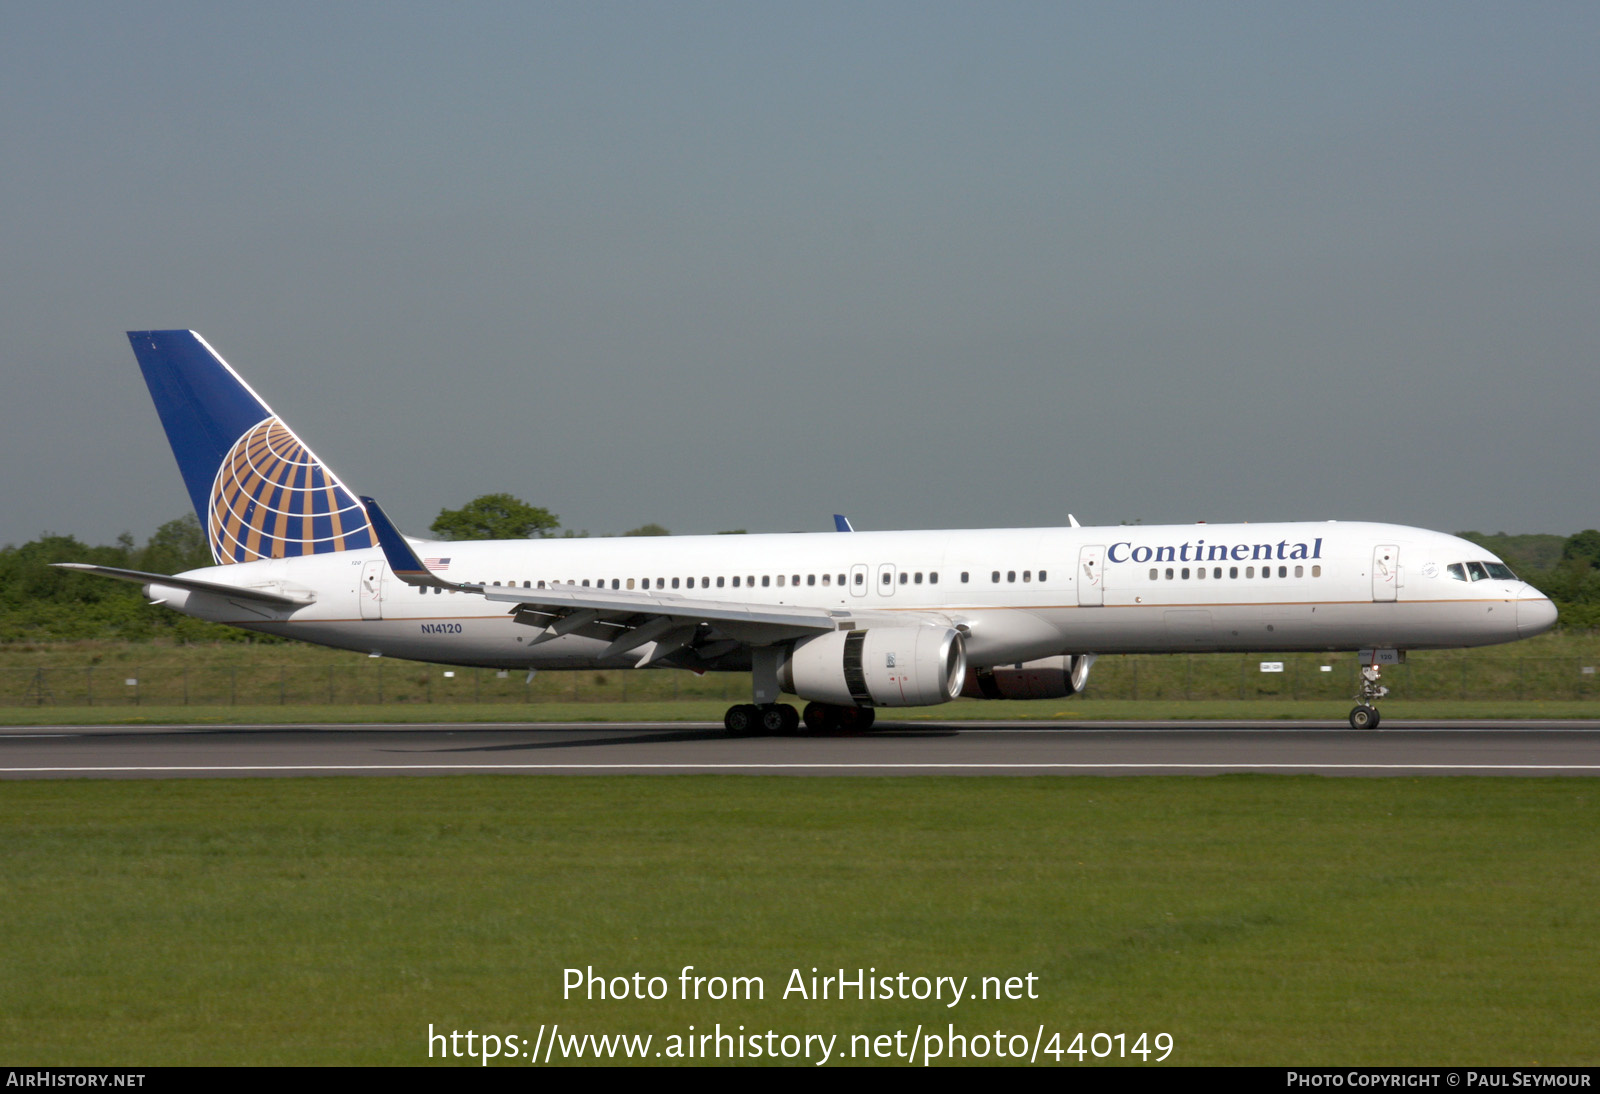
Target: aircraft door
(1385, 571)
(886, 579)
(371, 591)
(858, 579)
(1091, 578)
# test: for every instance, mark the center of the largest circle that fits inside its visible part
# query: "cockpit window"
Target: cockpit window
(1457, 571)
(1500, 571)
(1476, 571)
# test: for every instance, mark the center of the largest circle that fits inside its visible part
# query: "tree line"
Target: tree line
(39, 603)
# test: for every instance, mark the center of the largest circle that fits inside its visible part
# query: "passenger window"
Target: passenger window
(861, 579)
(995, 577)
(1283, 571)
(919, 578)
(766, 581)
(1316, 571)
(811, 579)
(780, 581)
(904, 577)
(674, 583)
(1249, 571)
(1200, 572)
(585, 583)
(735, 581)
(1299, 571)
(1233, 571)
(884, 580)
(965, 575)
(630, 583)
(1027, 575)
(1169, 573)
(841, 579)
(1186, 573)
(1041, 575)
(720, 581)
(933, 577)
(1155, 574)
(1011, 575)
(1217, 573)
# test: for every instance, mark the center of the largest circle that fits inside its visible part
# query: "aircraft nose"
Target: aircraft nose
(1535, 616)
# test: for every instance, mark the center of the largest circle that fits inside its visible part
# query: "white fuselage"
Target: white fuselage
(1017, 594)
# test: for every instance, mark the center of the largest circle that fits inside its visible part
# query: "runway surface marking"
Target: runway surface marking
(627, 766)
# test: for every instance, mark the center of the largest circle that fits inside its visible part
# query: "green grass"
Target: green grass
(1259, 920)
(688, 710)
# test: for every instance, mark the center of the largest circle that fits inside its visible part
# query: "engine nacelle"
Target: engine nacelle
(1046, 678)
(878, 667)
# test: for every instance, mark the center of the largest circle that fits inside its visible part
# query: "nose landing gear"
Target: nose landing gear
(1365, 715)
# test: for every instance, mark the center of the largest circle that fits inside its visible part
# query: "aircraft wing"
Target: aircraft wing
(628, 619)
(210, 588)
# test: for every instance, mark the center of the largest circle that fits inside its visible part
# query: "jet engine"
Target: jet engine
(1047, 678)
(878, 667)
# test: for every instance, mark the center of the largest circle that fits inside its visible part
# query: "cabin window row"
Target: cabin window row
(1200, 573)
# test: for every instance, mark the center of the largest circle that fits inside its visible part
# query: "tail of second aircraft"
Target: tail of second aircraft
(258, 490)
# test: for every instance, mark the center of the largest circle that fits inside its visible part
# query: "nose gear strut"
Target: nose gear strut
(1365, 715)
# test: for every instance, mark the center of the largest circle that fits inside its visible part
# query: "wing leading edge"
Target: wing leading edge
(629, 620)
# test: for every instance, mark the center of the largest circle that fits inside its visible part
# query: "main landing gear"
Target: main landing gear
(1365, 715)
(781, 719)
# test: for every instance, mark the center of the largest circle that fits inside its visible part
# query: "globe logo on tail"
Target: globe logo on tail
(274, 499)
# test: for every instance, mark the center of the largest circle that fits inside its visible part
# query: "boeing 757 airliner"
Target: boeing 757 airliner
(848, 623)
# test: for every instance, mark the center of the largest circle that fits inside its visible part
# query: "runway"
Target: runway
(1554, 748)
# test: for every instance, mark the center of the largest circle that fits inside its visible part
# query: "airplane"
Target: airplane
(849, 624)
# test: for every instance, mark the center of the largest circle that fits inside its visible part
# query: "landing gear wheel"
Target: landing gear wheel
(779, 718)
(741, 721)
(856, 719)
(1364, 717)
(821, 718)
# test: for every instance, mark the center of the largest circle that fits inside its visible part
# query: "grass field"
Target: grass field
(241, 682)
(1258, 920)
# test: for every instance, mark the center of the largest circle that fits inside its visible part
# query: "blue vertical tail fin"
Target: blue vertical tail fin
(258, 490)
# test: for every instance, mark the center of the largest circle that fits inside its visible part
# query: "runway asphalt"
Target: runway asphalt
(1547, 748)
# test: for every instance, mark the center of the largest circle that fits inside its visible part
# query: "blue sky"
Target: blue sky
(720, 266)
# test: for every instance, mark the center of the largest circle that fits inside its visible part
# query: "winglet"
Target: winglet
(398, 553)
(841, 524)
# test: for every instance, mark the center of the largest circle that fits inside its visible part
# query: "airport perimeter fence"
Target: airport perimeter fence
(373, 682)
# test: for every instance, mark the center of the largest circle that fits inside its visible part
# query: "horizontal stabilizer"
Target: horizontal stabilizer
(210, 588)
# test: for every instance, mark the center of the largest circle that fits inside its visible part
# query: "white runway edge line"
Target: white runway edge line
(623, 766)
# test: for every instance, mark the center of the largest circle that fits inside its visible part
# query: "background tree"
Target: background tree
(495, 516)
(648, 530)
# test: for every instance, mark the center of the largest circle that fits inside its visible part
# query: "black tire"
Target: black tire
(773, 720)
(740, 721)
(821, 718)
(1364, 717)
(791, 719)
